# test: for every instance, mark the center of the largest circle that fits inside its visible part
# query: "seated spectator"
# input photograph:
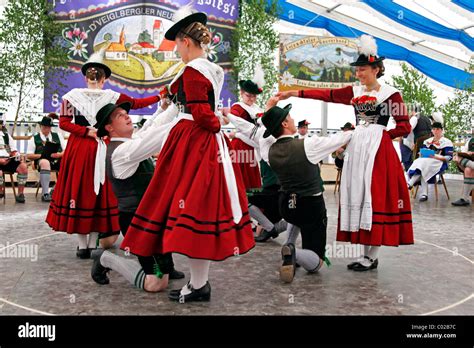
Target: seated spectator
(425, 169)
(465, 162)
(10, 162)
(45, 163)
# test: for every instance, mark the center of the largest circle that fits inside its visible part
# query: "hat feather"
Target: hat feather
(367, 45)
(183, 12)
(438, 117)
(259, 76)
(97, 57)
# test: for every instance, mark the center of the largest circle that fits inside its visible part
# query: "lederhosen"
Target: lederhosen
(470, 148)
(301, 201)
(39, 145)
(129, 193)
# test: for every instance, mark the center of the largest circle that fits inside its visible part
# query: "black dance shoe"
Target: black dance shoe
(287, 269)
(83, 253)
(174, 274)
(266, 235)
(423, 198)
(99, 272)
(196, 295)
(461, 202)
(353, 264)
(361, 268)
(20, 198)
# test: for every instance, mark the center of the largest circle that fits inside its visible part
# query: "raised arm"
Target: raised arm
(154, 117)
(127, 156)
(138, 103)
(336, 95)
(317, 148)
(244, 129)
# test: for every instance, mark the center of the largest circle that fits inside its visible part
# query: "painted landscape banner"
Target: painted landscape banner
(316, 62)
(130, 34)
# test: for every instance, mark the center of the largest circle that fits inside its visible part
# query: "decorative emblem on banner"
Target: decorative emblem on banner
(131, 36)
(316, 62)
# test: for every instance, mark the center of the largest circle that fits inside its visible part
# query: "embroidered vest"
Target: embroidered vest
(129, 191)
(39, 144)
(295, 172)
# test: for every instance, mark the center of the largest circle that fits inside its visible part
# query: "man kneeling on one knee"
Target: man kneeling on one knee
(130, 169)
(295, 162)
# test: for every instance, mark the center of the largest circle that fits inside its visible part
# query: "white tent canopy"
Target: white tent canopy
(448, 50)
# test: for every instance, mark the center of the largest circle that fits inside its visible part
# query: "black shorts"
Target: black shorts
(10, 166)
(339, 162)
(310, 216)
(54, 165)
(267, 201)
(164, 262)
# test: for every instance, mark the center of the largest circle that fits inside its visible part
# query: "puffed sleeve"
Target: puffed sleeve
(239, 111)
(197, 88)
(65, 120)
(138, 103)
(336, 95)
(399, 113)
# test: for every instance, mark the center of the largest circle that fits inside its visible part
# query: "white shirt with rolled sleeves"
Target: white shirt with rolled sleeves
(3, 152)
(145, 143)
(32, 146)
(316, 148)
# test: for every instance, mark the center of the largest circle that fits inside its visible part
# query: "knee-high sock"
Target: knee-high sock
(281, 226)
(82, 239)
(45, 178)
(22, 178)
(373, 254)
(414, 179)
(424, 187)
(130, 269)
(366, 250)
(257, 214)
(293, 233)
(308, 259)
(199, 270)
(466, 191)
(92, 244)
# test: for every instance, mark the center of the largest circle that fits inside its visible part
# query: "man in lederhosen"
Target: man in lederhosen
(295, 161)
(130, 170)
(35, 153)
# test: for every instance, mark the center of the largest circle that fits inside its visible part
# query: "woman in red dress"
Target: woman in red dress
(374, 201)
(83, 202)
(195, 204)
(244, 154)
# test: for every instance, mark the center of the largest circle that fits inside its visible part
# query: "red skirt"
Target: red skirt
(75, 208)
(186, 208)
(244, 156)
(391, 220)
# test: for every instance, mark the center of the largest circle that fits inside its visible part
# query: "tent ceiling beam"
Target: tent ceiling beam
(380, 33)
